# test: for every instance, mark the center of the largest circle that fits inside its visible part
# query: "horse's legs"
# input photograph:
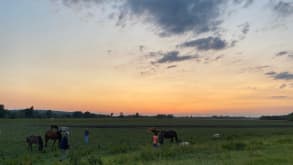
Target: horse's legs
(46, 141)
(54, 142)
(29, 146)
(171, 140)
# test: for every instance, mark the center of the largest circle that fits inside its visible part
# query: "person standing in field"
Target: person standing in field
(155, 139)
(64, 146)
(86, 136)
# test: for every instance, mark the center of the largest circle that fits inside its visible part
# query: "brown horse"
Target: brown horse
(30, 140)
(53, 135)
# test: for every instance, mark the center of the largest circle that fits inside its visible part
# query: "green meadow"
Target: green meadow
(115, 141)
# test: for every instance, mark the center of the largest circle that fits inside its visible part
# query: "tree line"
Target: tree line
(32, 113)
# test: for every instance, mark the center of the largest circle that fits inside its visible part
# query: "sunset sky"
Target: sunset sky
(199, 57)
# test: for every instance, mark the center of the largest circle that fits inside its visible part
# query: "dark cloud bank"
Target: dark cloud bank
(177, 16)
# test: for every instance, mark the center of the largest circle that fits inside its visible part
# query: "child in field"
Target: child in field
(155, 140)
(64, 146)
(86, 136)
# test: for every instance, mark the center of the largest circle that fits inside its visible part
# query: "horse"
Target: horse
(53, 135)
(170, 134)
(30, 140)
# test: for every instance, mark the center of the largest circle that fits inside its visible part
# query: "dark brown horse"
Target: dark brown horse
(53, 135)
(30, 140)
(169, 134)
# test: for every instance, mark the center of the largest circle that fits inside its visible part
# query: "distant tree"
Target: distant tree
(290, 117)
(89, 115)
(160, 116)
(29, 113)
(136, 114)
(77, 114)
(11, 115)
(49, 114)
(121, 114)
(111, 114)
(3, 113)
(2, 107)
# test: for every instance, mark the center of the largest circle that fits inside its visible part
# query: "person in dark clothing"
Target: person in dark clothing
(86, 136)
(64, 146)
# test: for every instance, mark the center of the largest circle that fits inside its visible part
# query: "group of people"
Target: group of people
(157, 139)
(64, 143)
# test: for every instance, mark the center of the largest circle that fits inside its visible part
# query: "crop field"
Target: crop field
(126, 141)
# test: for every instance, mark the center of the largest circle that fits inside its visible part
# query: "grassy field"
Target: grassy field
(126, 141)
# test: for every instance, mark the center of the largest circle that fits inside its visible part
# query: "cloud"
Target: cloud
(271, 73)
(204, 44)
(282, 53)
(171, 66)
(284, 76)
(283, 86)
(261, 68)
(289, 54)
(173, 56)
(219, 57)
(177, 16)
(281, 75)
(279, 97)
(245, 28)
(81, 3)
(245, 3)
(284, 8)
(141, 48)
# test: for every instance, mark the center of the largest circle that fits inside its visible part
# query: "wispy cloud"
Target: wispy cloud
(281, 53)
(204, 44)
(286, 53)
(244, 3)
(260, 68)
(174, 56)
(281, 75)
(283, 8)
(283, 86)
(279, 97)
(171, 66)
(245, 28)
(141, 48)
